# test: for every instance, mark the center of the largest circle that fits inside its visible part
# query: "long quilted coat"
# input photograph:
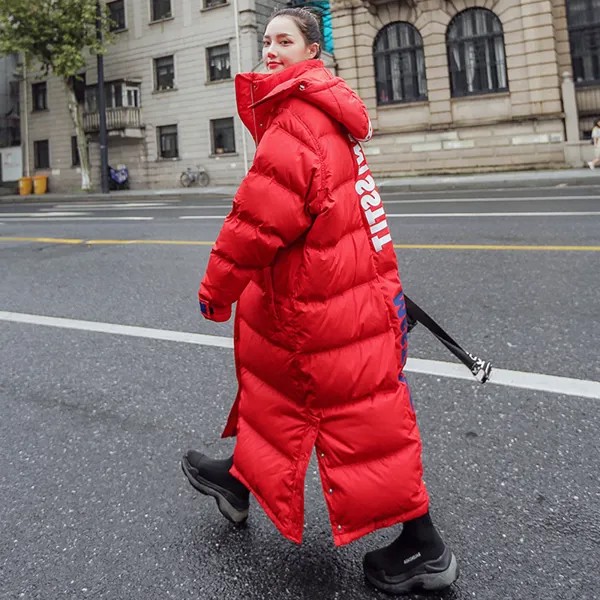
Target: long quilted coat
(320, 332)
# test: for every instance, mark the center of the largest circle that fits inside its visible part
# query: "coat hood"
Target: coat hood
(259, 93)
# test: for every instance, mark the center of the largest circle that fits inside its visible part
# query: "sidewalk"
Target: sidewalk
(424, 183)
(507, 179)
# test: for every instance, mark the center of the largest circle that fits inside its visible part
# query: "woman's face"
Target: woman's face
(284, 45)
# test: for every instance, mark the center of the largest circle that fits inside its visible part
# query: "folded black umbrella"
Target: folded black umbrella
(480, 368)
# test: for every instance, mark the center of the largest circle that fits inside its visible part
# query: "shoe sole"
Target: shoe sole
(207, 488)
(421, 582)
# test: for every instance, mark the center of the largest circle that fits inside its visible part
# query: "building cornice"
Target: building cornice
(341, 4)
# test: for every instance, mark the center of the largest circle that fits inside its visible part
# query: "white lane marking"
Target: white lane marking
(45, 219)
(45, 214)
(495, 214)
(143, 332)
(442, 215)
(203, 217)
(183, 207)
(104, 206)
(506, 377)
(430, 200)
(519, 379)
(108, 205)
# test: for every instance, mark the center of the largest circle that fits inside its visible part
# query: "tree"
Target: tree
(58, 35)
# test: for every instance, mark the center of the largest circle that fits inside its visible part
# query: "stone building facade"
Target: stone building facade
(468, 85)
(169, 93)
(451, 86)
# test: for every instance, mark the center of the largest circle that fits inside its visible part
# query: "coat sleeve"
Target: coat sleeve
(270, 211)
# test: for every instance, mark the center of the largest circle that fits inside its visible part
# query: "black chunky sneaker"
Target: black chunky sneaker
(417, 560)
(212, 477)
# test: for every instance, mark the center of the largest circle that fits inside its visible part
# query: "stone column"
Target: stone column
(344, 34)
(569, 100)
(248, 35)
(573, 147)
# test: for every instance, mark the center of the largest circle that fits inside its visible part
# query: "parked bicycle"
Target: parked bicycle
(191, 176)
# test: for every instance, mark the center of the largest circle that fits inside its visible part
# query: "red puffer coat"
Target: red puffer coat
(320, 327)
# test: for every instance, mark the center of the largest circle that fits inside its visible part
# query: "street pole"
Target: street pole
(25, 115)
(238, 43)
(101, 98)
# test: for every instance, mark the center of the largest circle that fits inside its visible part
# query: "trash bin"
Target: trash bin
(25, 185)
(40, 184)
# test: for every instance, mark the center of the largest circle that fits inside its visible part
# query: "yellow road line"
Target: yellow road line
(149, 242)
(496, 247)
(42, 240)
(105, 242)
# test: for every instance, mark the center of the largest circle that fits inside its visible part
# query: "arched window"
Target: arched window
(476, 53)
(399, 64)
(583, 17)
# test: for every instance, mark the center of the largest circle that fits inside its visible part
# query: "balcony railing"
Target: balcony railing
(116, 119)
(588, 107)
(588, 100)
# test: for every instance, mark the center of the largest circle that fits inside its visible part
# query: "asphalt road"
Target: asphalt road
(92, 425)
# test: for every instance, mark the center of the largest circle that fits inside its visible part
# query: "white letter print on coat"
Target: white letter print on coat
(370, 201)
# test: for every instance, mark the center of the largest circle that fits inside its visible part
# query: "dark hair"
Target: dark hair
(306, 22)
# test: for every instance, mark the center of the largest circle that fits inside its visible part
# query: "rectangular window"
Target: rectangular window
(91, 99)
(222, 136)
(213, 3)
(116, 12)
(161, 9)
(13, 90)
(116, 94)
(79, 85)
(164, 73)
(584, 36)
(75, 159)
(75, 156)
(167, 141)
(219, 66)
(41, 154)
(132, 95)
(39, 94)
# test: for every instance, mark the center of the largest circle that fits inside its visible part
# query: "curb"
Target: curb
(538, 179)
(505, 180)
(131, 195)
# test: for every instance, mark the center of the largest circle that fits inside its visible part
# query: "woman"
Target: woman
(320, 328)
(592, 164)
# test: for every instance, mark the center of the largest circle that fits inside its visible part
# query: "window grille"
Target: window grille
(214, 3)
(39, 93)
(167, 141)
(75, 156)
(41, 154)
(476, 54)
(116, 12)
(218, 60)
(161, 9)
(13, 90)
(164, 73)
(116, 93)
(399, 64)
(222, 136)
(583, 17)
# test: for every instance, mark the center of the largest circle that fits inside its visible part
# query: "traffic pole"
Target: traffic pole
(101, 98)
